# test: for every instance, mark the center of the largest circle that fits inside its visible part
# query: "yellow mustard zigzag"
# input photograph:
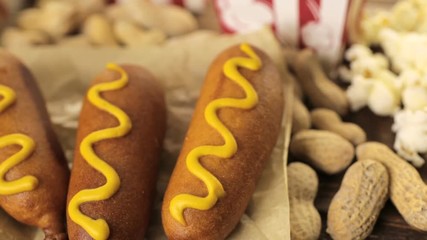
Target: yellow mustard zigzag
(98, 229)
(215, 189)
(26, 183)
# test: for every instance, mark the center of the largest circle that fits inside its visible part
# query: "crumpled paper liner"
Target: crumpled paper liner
(180, 65)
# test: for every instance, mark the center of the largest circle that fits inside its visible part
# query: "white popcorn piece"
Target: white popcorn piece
(372, 25)
(389, 40)
(373, 85)
(405, 50)
(422, 9)
(382, 100)
(419, 3)
(415, 98)
(404, 16)
(357, 51)
(423, 80)
(402, 145)
(358, 92)
(409, 77)
(422, 25)
(381, 60)
(411, 135)
(390, 79)
(368, 66)
(407, 118)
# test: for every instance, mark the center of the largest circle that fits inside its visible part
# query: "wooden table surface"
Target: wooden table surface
(390, 224)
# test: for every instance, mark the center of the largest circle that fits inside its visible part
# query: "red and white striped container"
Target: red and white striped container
(318, 24)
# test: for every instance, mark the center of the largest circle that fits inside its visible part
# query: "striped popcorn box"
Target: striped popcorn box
(318, 24)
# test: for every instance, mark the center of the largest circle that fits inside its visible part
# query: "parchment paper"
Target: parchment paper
(64, 74)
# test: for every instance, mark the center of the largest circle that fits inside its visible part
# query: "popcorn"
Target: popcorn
(404, 16)
(357, 51)
(409, 77)
(411, 135)
(422, 26)
(373, 85)
(405, 50)
(402, 34)
(415, 98)
(389, 40)
(390, 80)
(379, 96)
(419, 3)
(371, 26)
(382, 101)
(358, 92)
(369, 65)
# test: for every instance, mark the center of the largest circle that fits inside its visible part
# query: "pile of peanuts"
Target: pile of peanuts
(94, 23)
(330, 147)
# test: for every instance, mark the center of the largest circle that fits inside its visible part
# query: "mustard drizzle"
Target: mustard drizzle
(215, 189)
(98, 229)
(26, 183)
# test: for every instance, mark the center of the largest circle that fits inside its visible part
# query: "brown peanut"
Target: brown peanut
(56, 18)
(408, 192)
(290, 56)
(300, 116)
(356, 206)
(86, 8)
(320, 91)
(327, 151)
(296, 85)
(116, 12)
(132, 35)
(172, 20)
(15, 37)
(304, 217)
(98, 30)
(326, 119)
